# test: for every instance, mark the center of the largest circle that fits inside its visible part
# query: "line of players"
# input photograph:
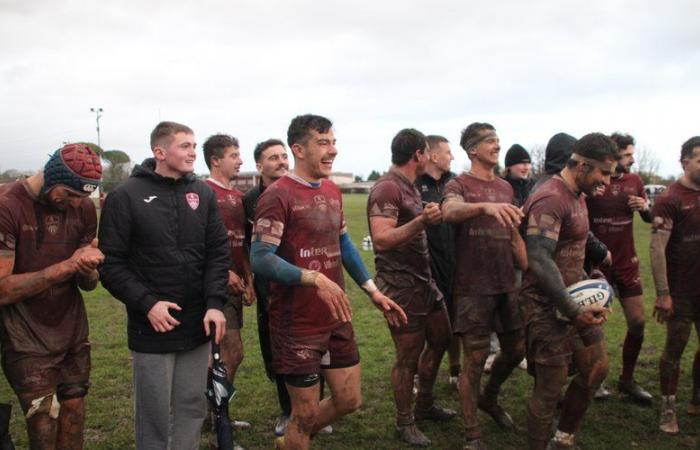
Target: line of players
(299, 245)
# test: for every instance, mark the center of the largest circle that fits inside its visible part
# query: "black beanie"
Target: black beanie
(517, 155)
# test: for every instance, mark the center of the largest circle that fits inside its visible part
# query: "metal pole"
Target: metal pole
(98, 114)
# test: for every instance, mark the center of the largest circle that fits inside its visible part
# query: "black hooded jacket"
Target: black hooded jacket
(164, 239)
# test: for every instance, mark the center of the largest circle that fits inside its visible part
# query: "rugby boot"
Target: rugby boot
(475, 444)
(412, 435)
(281, 425)
(562, 441)
(498, 414)
(668, 421)
(635, 392)
(602, 393)
(435, 412)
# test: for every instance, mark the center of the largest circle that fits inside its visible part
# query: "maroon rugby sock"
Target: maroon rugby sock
(630, 353)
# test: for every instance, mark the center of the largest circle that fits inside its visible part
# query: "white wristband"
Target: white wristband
(369, 287)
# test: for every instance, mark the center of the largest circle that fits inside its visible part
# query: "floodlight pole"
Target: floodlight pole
(98, 114)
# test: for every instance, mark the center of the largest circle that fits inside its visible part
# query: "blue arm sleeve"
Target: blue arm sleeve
(265, 263)
(352, 261)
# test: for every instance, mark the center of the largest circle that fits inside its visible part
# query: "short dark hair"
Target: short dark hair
(163, 133)
(471, 134)
(215, 145)
(434, 140)
(264, 145)
(595, 146)
(405, 144)
(622, 140)
(298, 131)
(688, 147)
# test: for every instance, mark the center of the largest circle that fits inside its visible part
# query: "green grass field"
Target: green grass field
(614, 424)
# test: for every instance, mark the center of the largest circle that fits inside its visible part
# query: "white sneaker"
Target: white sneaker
(489, 362)
(328, 429)
(281, 425)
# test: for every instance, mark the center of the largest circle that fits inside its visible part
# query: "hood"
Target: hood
(557, 153)
(147, 169)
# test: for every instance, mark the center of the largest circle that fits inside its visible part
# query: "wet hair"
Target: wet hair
(470, 135)
(405, 144)
(264, 145)
(215, 145)
(622, 140)
(299, 128)
(688, 147)
(595, 146)
(163, 133)
(435, 140)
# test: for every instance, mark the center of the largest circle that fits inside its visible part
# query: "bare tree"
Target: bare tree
(537, 157)
(648, 165)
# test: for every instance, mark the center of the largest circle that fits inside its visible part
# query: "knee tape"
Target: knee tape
(68, 391)
(48, 404)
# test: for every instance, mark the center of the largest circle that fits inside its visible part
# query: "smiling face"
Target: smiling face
(441, 156)
(274, 163)
(691, 167)
(520, 171)
(589, 179)
(487, 150)
(314, 158)
(176, 157)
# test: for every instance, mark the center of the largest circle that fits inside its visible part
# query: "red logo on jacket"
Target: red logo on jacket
(192, 200)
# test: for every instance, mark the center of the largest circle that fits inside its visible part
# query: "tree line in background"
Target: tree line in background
(117, 166)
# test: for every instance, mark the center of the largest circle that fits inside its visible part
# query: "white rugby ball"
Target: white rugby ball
(593, 292)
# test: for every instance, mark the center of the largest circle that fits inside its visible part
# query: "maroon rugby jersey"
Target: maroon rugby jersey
(485, 263)
(556, 212)
(611, 218)
(677, 210)
(407, 266)
(230, 204)
(40, 236)
(306, 223)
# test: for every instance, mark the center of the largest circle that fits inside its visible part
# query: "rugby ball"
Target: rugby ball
(587, 293)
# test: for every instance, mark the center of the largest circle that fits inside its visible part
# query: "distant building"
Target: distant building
(342, 178)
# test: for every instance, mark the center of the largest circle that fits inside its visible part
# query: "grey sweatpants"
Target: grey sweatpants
(169, 399)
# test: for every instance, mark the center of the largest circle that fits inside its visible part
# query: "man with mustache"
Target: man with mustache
(556, 230)
(397, 221)
(47, 251)
(675, 264)
(300, 243)
(272, 163)
(611, 215)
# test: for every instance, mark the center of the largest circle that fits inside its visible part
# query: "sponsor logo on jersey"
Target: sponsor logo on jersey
(52, 223)
(320, 201)
(192, 200)
(315, 265)
(150, 198)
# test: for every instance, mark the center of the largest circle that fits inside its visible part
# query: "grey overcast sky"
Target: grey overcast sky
(531, 68)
